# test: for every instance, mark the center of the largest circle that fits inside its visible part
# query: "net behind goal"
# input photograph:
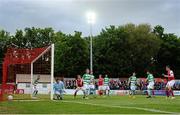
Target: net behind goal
(28, 74)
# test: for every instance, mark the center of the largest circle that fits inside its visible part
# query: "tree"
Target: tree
(120, 50)
(117, 50)
(32, 38)
(71, 55)
(4, 40)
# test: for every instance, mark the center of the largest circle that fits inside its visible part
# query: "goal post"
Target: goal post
(22, 68)
(52, 70)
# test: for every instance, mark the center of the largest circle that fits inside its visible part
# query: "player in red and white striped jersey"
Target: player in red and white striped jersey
(170, 83)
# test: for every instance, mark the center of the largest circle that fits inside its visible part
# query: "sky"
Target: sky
(70, 15)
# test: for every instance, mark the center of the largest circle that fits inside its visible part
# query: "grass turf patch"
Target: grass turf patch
(99, 105)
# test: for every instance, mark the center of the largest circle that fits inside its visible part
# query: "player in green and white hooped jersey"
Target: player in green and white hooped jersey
(150, 87)
(35, 83)
(92, 84)
(132, 82)
(106, 85)
(86, 81)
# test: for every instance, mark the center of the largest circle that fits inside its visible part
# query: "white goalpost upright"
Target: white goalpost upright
(51, 47)
(52, 70)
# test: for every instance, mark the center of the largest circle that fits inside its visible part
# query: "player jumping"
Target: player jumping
(79, 86)
(150, 87)
(132, 81)
(171, 82)
(106, 85)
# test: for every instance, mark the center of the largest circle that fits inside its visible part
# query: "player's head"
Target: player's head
(57, 80)
(78, 77)
(168, 68)
(148, 72)
(100, 76)
(134, 73)
(106, 75)
(61, 79)
(87, 71)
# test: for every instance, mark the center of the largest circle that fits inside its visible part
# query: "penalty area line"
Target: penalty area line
(126, 107)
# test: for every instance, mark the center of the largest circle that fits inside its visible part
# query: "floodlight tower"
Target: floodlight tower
(91, 21)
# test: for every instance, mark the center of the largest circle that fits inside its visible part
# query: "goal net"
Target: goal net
(28, 74)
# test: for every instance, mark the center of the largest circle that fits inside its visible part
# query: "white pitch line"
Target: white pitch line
(113, 106)
(26, 100)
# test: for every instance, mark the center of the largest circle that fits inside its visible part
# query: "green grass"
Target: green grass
(99, 105)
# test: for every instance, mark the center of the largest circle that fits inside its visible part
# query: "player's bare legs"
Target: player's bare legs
(35, 93)
(150, 87)
(170, 83)
(169, 92)
(75, 93)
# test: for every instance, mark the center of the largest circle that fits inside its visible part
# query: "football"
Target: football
(10, 97)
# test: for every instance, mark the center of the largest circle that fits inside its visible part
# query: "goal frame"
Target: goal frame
(8, 61)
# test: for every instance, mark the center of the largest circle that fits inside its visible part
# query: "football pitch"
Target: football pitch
(98, 105)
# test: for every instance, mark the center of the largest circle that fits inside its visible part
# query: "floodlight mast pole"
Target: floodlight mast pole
(91, 21)
(91, 57)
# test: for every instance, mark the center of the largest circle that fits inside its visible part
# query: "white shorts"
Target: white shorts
(86, 87)
(35, 88)
(91, 87)
(79, 88)
(150, 85)
(106, 87)
(101, 87)
(170, 83)
(133, 87)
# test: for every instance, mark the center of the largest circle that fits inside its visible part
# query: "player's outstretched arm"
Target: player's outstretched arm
(165, 75)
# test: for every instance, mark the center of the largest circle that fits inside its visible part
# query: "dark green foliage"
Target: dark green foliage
(117, 50)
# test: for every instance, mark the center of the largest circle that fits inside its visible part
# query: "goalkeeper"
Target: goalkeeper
(59, 89)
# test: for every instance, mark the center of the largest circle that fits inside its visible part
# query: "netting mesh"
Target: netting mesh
(19, 79)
